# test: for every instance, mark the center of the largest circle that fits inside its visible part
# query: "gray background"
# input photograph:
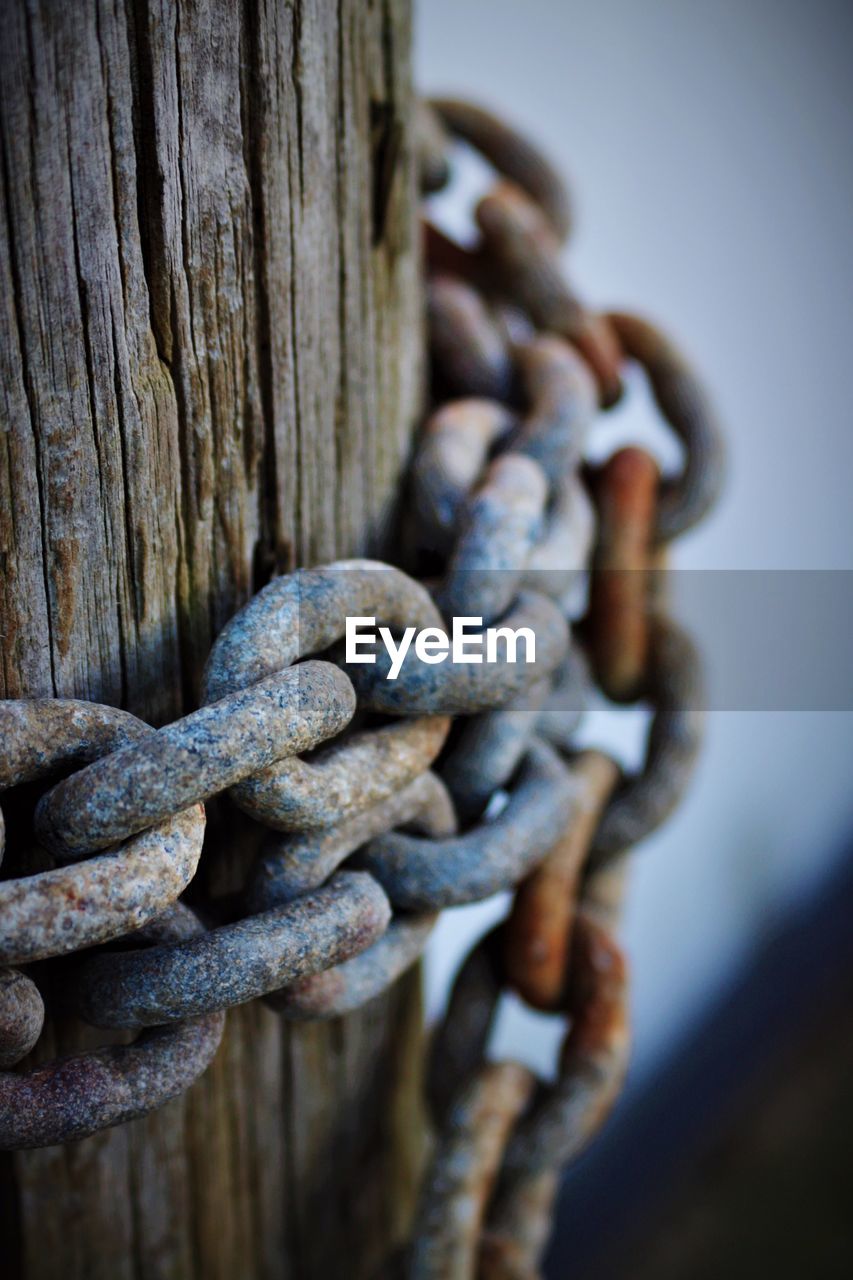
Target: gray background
(708, 145)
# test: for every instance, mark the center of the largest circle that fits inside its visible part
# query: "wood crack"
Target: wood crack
(26, 377)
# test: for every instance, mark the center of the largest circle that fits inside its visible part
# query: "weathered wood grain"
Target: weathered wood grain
(209, 355)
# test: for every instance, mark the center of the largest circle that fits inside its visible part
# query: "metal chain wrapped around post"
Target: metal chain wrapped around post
(506, 521)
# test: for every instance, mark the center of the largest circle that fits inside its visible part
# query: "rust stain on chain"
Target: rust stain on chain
(620, 596)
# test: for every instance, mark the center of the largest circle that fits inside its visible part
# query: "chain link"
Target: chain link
(387, 823)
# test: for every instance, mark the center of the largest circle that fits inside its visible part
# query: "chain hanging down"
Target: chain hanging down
(391, 817)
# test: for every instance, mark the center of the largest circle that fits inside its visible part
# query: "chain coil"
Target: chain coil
(384, 825)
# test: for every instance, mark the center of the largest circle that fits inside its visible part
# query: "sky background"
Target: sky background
(708, 147)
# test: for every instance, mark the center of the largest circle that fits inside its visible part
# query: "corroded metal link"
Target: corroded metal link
(686, 407)
(675, 688)
(561, 397)
(71, 1098)
(452, 451)
(347, 777)
(537, 935)
(455, 445)
(234, 963)
(469, 351)
(55, 912)
(459, 1041)
(512, 1250)
(348, 986)
(43, 736)
(619, 606)
(111, 1086)
(67, 908)
(524, 253)
(593, 1063)
(304, 613)
(194, 758)
(461, 689)
(489, 749)
(463, 1169)
(293, 865)
(564, 1116)
(496, 531)
(422, 875)
(513, 155)
(21, 1016)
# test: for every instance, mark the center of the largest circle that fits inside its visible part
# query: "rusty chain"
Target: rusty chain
(366, 841)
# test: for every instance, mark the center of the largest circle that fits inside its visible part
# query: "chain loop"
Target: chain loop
(419, 874)
(349, 985)
(618, 620)
(218, 968)
(642, 802)
(513, 155)
(685, 406)
(74, 1097)
(64, 909)
(352, 773)
(194, 758)
(293, 865)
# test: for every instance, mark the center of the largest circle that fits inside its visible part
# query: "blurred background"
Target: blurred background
(708, 146)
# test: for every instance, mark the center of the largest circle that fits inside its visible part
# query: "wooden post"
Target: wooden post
(210, 369)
